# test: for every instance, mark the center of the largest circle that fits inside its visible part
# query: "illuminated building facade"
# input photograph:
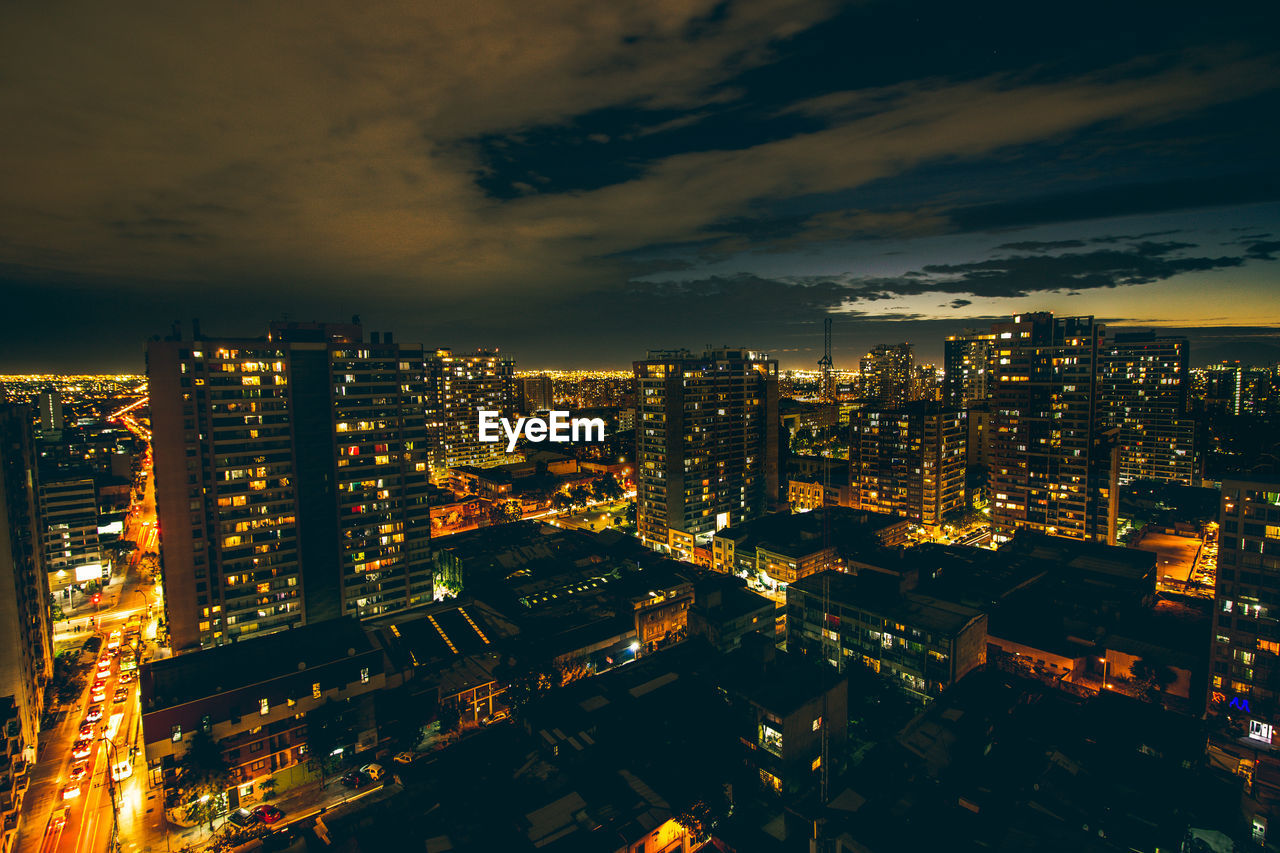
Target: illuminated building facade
(1052, 469)
(26, 662)
(967, 368)
(909, 461)
(536, 394)
(886, 375)
(69, 516)
(292, 475)
(919, 644)
(460, 386)
(1143, 386)
(707, 444)
(1244, 655)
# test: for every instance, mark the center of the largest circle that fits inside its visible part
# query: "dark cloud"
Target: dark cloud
(1122, 200)
(1042, 245)
(1263, 250)
(960, 303)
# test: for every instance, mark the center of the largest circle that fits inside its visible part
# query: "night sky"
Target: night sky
(576, 182)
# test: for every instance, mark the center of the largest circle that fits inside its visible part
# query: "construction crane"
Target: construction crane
(825, 363)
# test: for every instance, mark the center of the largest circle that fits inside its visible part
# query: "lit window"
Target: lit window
(364, 675)
(264, 707)
(315, 690)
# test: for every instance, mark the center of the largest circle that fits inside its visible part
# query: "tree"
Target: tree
(697, 819)
(203, 779)
(328, 729)
(55, 609)
(1151, 678)
(607, 488)
(403, 717)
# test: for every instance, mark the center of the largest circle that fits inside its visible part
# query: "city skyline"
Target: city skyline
(583, 186)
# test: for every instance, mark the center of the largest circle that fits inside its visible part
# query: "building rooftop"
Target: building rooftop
(931, 614)
(185, 678)
(802, 533)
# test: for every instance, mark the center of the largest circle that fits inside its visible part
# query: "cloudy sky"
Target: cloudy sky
(576, 181)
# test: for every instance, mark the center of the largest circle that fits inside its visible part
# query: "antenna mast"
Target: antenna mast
(825, 363)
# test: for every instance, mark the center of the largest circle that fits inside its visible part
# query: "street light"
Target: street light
(112, 760)
(1105, 664)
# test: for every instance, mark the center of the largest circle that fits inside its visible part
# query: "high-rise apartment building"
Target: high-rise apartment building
(1052, 469)
(292, 475)
(967, 369)
(707, 444)
(51, 418)
(462, 385)
(26, 662)
(886, 375)
(69, 536)
(1244, 653)
(908, 461)
(1143, 388)
(535, 393)
(1223, 389)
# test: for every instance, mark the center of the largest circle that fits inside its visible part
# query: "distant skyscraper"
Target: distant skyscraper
(707, 444)
(462, 385)
(1143, 385)
(292, 475)
(26, 663)
(51, 419)
(536, 393)
(1224, 387)
(967, 367)
(908, 461)
(886, 375)
(1052, 469)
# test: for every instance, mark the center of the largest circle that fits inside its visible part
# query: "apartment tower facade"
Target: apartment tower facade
(706, 444)
(292, 475)
(908, 461)
(1053, 469)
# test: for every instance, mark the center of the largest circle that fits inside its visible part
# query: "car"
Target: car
(121, 694)
(81, 748)
(373, 771)
(86, 730)
(126, 676)
(495, 717)
(405, 757)
(99, 683)
(121, 770)
(268, 814)
(78, 771)
(71, 791)
(95, 714)
(59, 818)
(104, 666)
(242, 818)
(114, 640)
(355, 779)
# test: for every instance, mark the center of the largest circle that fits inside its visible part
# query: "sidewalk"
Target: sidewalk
(298, 804)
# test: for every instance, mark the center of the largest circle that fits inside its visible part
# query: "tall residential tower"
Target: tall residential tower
(1053, 469)
(292, 474)
(706, 442)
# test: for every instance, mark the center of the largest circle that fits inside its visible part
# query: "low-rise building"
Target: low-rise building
(724, 612)
(782, 548)
(921, 644)
(252, 699)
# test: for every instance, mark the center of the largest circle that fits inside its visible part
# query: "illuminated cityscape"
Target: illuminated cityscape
(707, 427)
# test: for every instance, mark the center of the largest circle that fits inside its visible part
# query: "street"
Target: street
(115, 740)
